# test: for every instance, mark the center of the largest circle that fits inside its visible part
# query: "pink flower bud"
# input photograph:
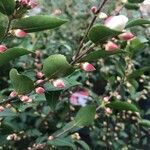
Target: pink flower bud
(29, 3)
(110, 46)
(2, 108)
(8, 106)
(3, 48)
(40, 90)
(20, 33)
(38, 65)
(13, 94)
(116, 22)
(87, 67)
(25, 99)
(39, 75)
(39, 53)
(94, 9)
(24, 2)
(57, 12)
(58, 83)
(106, 99)
(108, 111)
(39, 81)
(126, 36)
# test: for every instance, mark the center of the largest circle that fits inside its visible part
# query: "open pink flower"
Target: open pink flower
(79, 98)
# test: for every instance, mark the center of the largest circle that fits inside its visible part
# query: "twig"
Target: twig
(7, 30)
(89, 27)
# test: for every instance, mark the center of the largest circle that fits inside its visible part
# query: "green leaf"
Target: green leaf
(52, 98)
(62, 142)
(137, 73)
(118, 105)
(93, 56)
(37, 23)
(101, 33)
(137, 22)
(8, 113)
(135, 1)
(85, 115)
(11, 54)
(56, 65)
(83, 144)
(21, 83)
(135, 47)
(3, 25)
(145, 123)
(131, 6)
(7, 6)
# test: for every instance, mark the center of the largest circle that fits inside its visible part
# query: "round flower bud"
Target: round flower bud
(40, 90)
(3, 48)
(39, 75)
(94, 9)
(2, 108)
(87, 67)
(20, 33)
(110, 46)
(58, 83)
(25, 99)
(13, 94)
(126, 36)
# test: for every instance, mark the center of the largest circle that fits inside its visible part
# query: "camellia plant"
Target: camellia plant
(90, 95)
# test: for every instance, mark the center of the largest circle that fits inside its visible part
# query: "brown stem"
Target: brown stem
(7, 30)
(89, 27)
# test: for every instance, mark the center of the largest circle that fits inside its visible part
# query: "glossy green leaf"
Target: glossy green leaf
(56, 65)
(137, 22)
(37, 23)
(61, 142)
(83, 145)
(21, 83)
(8, 113)
(145, 123)
(118, 105)
(93, 56)
(135, 47)
(135, 1)
(137, 73)
(3, 25)
(85, 115)
(131, 6)
(52, 99)
(101, 33)
(7, 6)
(12, 54)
